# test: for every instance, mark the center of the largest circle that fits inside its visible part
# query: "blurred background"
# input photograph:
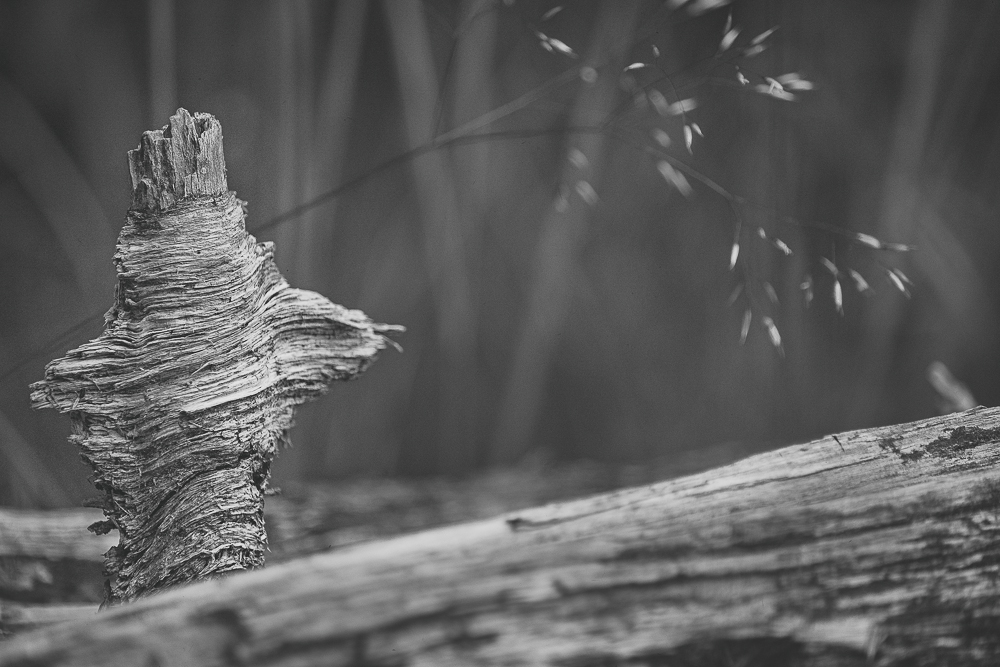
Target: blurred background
(488, 174)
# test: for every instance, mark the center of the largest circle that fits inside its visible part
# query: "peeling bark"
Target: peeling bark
(876, 547)
(180, 404)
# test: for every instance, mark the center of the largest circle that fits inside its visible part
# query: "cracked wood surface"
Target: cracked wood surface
(180, 405)
(872, 547)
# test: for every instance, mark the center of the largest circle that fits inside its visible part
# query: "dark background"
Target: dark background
(600, 332)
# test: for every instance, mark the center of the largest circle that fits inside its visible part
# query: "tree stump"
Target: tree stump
(180, 404)
(876, 547)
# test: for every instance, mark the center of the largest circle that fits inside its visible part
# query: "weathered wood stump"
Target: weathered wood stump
(180, 404)
(877, 547)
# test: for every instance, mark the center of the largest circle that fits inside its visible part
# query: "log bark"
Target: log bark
(49, 561)
(180, 405)
(871, 547)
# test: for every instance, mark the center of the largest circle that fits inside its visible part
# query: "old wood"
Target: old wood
(50, 567)
(180, 405)
(51, 534)
(872, 547)
(17, 617)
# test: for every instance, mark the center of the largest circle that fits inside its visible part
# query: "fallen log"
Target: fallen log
(17, 617)
(51, 534)
(50, 567)
(48, 558)
(879, 546)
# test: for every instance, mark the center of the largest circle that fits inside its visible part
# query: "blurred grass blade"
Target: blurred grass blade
(556, 255)
(161, 16)
(50, 176)
(443, 235)
(31, 481)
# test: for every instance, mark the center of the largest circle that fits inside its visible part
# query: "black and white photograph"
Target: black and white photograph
(556, 333)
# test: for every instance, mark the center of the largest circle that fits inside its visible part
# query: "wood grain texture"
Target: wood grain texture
(872, 547)
(48, 558)
(180, 405)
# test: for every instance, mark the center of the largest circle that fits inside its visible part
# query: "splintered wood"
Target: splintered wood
(179, 405)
